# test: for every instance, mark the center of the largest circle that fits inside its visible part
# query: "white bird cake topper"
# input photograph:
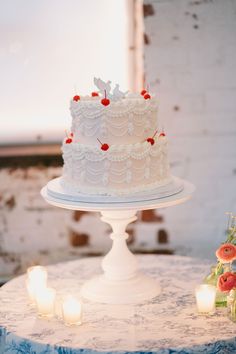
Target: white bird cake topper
(105, 87)
(102, 86)
(117, 94)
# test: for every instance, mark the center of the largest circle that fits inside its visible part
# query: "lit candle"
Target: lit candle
(37, 275)
(30, 290)
(205, 298)
(72, 311)
(36, 280)
(45, 299)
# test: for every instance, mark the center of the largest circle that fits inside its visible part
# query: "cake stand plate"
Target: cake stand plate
(175, 192)
(121, 281)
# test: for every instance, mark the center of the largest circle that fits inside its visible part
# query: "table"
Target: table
(168, 323)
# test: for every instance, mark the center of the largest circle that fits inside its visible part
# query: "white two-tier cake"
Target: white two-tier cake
(114, 147)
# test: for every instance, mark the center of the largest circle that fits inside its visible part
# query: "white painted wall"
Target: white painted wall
(190, 64)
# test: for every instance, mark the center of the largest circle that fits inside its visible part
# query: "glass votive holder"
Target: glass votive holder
(35, 281)
(58, 306)
(45, 299)
(72, 311)
(37, 275)
(205, 298)
(30, 291)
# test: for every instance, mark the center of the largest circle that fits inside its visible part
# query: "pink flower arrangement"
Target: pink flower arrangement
(226, 281)
(226, 253)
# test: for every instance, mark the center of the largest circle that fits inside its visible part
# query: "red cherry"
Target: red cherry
(147, 96)
(151, 141)
(94, 94)
(76, 98)
(105, 101)
(72, 134)
(68, 141)
(105, 147)
(162, 134)
(143, 92)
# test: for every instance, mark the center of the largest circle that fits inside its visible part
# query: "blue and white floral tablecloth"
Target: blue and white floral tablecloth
(167, 324)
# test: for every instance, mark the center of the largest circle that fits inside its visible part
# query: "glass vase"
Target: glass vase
(231, 304)
(221, 299)
(212, 278)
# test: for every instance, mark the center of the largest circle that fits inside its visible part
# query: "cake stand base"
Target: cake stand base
(130, 291)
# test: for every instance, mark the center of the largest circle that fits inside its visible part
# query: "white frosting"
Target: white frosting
(131, 164)
(126, 121)
(122, 169)
(113, 191)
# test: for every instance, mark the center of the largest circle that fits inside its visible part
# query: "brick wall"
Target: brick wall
(189, 60)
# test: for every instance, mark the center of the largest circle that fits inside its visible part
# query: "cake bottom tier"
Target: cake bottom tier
(121, 170)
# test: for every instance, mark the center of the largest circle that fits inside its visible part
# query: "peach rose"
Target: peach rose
(226, 253)
(226, 281)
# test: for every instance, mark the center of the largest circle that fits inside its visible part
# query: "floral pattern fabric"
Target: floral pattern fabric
(167, 324)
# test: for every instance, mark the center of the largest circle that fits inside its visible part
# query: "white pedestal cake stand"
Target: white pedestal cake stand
(121, 282)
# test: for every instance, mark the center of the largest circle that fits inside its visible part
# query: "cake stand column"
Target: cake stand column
(119, 263)
(121, 282)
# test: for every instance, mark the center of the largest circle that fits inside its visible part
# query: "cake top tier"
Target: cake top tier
(112, 115)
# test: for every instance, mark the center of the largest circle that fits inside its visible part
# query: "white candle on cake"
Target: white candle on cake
(72, 311)
(205, 298)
